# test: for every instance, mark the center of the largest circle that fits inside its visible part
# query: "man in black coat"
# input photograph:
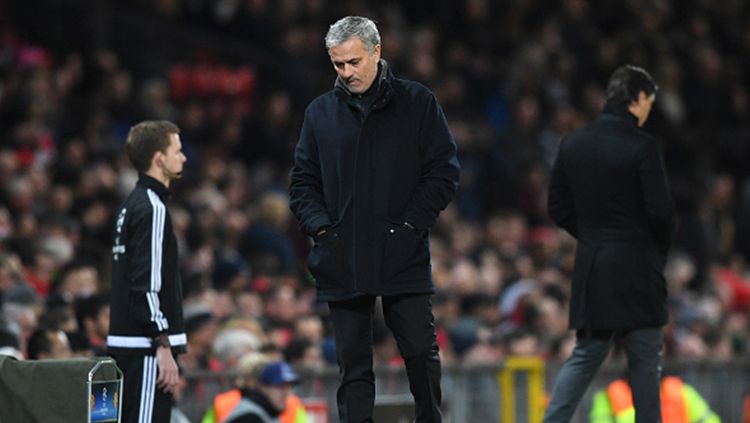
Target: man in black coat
(609, 190)
(374, 166)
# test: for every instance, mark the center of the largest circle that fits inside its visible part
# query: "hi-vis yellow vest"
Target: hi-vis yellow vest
(673, 405)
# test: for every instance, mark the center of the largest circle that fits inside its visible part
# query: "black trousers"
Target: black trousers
(410, 319)
(142, 400)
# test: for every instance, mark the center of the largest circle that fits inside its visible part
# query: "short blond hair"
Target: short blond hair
(250, 367)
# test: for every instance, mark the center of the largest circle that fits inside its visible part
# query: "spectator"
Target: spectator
(92, 315)
(266, 246)
(78, 279)
(232, 343)
(302, 353)
(264, 394)
(679, 402)
(201, 328)
(48, 344)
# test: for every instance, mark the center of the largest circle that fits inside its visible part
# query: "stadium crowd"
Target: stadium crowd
(513, 77)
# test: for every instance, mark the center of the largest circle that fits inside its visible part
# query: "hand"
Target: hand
(169, 374)
(321, 231)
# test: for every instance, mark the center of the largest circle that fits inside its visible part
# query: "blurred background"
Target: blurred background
(513, 78)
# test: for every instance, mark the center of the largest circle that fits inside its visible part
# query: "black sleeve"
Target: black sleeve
(438, 181)
(306, 185)
(560, 201)
(656, 196)
(145, 246)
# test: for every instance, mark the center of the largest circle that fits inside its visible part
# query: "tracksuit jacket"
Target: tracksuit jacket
(146, 286)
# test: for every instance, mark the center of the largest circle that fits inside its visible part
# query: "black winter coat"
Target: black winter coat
(362, 175)
(609, 190)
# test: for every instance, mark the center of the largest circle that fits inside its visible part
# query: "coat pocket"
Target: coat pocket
(406, 254)
(326, 262)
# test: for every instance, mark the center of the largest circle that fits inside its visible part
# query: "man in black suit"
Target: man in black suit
(609, 190)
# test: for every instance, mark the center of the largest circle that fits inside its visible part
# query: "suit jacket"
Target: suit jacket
(609, 190)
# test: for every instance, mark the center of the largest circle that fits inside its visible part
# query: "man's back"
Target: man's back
(602, 164)
(609, 190)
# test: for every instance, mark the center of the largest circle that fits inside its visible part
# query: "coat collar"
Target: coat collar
(620, 110)
(382, 84)
(148, 182)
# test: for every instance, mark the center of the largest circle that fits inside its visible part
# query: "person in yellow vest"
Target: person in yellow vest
(680, 403)
(256, 370)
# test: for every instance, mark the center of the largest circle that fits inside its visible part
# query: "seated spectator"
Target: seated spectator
(201, 328)
(264, 393)
(301, 352)
(10, 274)
(232, 343)
(48, 344)
(78, 279)
(266, 245)
(92, 314)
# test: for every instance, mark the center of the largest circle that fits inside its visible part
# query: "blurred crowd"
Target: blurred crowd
(513, 77)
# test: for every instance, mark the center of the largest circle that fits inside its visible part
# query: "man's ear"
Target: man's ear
(637, 100)
(376, 51)
(642, 96)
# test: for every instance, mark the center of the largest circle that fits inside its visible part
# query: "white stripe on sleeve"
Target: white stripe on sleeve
(157, 241)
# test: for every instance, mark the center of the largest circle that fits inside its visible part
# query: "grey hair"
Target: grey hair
(353, 26)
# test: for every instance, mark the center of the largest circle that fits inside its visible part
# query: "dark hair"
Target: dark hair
(39, 343)
(72, 266)
(90, 307)
(627, 82)
(295, 349)
(145, 139)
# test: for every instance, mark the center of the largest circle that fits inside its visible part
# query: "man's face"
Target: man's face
(642, 107)
(356, 66)
(171, 160)
(277, 394)
(81, 282)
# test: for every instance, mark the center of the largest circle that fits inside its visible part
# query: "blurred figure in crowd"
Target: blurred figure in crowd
(92, 314)
(48, 344)
(264, 394)
(680, 402)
